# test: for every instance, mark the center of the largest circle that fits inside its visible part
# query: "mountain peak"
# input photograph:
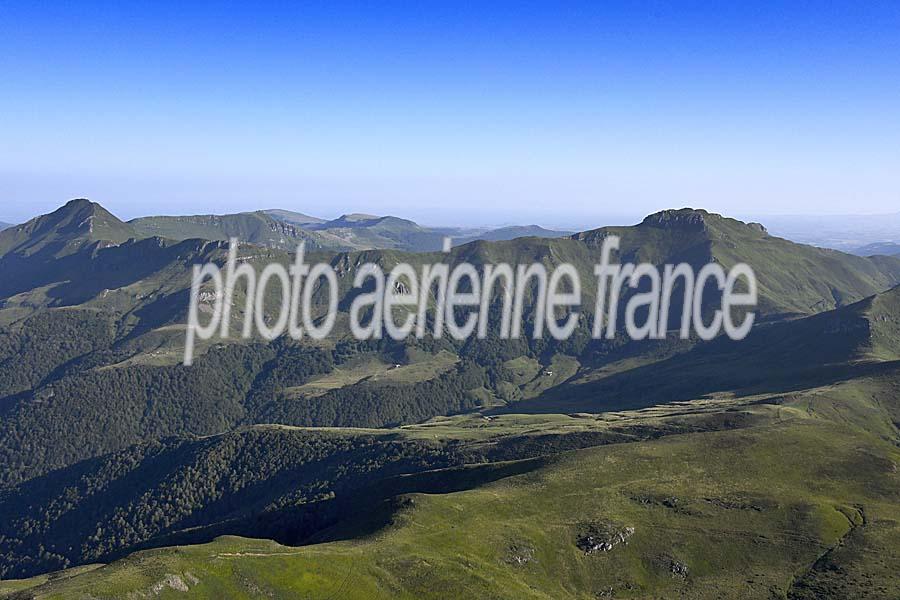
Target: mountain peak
(77, 203)
(684, 218)
(696, 219)
(68, 227)
(83, 216)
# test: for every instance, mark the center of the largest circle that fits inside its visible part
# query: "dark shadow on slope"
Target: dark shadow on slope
(775, 358)
(95, 267)
(671, 382)
(359, 513)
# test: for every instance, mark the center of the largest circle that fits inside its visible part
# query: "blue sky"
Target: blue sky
(565, 114)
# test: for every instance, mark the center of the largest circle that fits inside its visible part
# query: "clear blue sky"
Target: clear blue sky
(481, 112)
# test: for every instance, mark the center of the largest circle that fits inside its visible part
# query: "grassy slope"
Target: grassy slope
(749, 513)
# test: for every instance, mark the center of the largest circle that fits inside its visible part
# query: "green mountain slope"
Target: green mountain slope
(799, 503)
(160, 488)
(290, 484)
(793, 278)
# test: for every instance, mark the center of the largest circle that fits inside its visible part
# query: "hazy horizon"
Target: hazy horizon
(782, 223)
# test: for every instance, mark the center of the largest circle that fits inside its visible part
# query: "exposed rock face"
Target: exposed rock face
(169, 581)
(686, 219)
(758, 227)
(282, 228)
(665, 563)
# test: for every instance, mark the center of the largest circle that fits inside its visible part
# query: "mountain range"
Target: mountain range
(285, 229)
(571, 468)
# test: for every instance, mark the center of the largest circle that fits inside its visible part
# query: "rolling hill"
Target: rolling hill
(512, 232)
(364, 232)
(294, 218)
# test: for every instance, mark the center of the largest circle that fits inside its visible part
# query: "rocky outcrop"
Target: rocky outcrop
(685, 219)
(602, 537)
